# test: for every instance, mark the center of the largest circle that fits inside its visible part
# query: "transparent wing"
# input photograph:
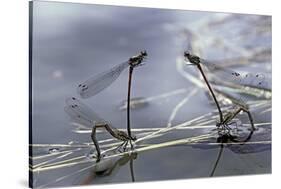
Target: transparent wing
(81, 113)
(76, 118)
(256, 80)
(222, 74)
(99, 82)
(236, 126)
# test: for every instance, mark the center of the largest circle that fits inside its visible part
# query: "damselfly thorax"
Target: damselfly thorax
(138, 59)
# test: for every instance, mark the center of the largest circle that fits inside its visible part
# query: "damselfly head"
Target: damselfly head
(186, 54)
(143, 53)
(137, 59)
(193, 59)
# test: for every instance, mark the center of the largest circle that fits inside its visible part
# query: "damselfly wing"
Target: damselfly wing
(81, 113)
(99, 82)
(221, 74)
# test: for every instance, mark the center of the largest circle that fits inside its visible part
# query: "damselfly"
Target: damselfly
(227, 119)
(97, 83)
(82, 114)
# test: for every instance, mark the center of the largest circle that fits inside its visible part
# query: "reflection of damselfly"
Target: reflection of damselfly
(84, 115)
(225, 120)
(109, 167)
(222, 140)
(97, 83)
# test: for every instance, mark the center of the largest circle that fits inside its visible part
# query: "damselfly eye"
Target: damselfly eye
(186, 53)
(144, 53)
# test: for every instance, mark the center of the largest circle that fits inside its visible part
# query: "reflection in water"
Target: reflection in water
(217, 161)
(223, 140)
(260, 141)
(106, 167)
(132, 169)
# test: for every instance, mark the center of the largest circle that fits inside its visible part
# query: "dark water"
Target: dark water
(72, 42)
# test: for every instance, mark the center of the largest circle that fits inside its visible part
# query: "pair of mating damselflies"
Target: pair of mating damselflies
(248, 80)
(86, 116)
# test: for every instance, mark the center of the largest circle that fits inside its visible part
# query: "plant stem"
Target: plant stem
(212, 92)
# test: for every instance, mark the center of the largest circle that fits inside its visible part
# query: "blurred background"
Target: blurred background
(72, 42)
